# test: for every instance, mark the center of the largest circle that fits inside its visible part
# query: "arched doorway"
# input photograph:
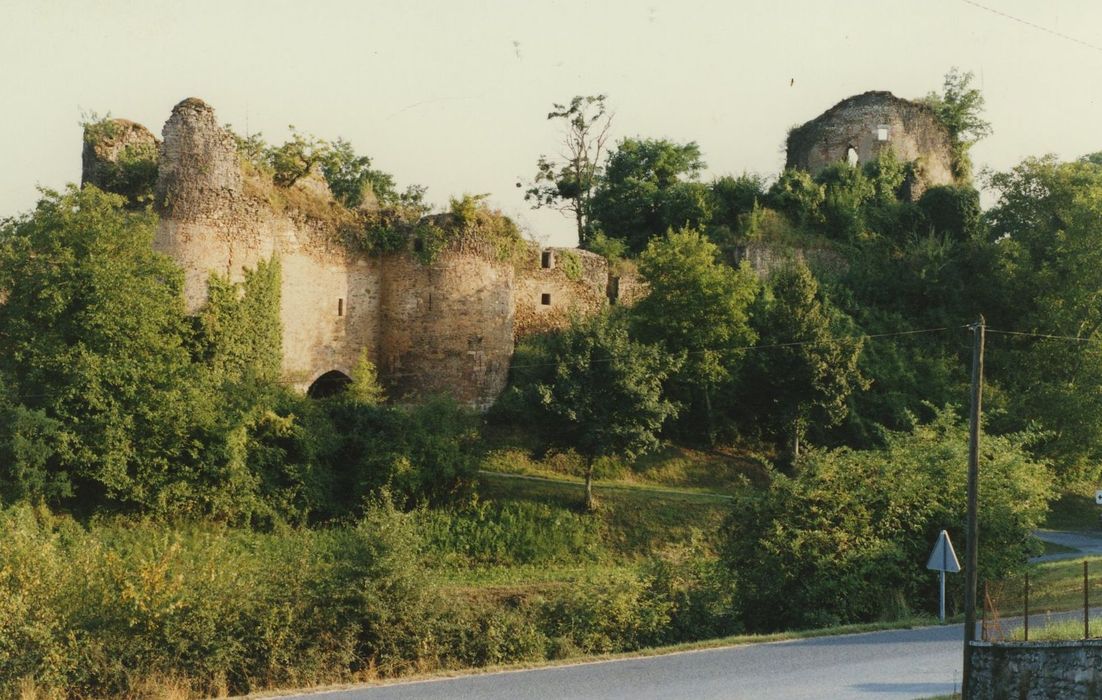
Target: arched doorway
(851, 156)
(329, 384)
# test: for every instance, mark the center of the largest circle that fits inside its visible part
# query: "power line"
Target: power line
(1078, 339)
(1033, 25)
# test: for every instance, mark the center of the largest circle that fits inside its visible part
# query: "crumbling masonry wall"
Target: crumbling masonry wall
(870, 123)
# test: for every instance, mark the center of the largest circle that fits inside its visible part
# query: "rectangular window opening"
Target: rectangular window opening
(340, 307)
(547, 260)
(882, 132)
(418, 245)
(545, 299)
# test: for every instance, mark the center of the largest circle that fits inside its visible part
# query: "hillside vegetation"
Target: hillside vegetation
(740, 451)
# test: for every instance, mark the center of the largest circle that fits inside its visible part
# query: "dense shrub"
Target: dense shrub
(422, 452)
(97, 611)
(121, 607)
(846, 538)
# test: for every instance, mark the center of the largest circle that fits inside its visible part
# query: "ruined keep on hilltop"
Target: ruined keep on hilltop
(859, 128)
(445, 325)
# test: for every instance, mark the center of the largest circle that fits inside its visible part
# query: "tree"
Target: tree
(351, 178)
(95, 354)
(844, 539)
(807, 369)
(567, 183)
(1045, 229)
(650, 186)
(696, 307)
(960, 109)
(297, 158)
(605, 395)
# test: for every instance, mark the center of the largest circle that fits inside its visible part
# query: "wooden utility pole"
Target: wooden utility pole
(970, 556)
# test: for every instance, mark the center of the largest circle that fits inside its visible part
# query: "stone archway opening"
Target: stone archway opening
(851, 156)
(329, 384)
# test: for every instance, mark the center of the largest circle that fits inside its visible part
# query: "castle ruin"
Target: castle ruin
(448, 325)
(859, 128)
(445, 326)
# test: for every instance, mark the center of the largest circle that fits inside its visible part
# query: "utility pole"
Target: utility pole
(970, 556)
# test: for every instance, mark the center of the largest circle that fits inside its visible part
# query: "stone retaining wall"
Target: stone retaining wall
(1034, 670)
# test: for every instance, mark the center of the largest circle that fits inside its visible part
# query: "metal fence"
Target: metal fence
(1047, 604)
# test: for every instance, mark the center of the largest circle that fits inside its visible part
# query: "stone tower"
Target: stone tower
(859, 128)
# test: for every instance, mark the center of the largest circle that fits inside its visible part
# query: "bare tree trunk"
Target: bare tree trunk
(590, 502)
(579, 216)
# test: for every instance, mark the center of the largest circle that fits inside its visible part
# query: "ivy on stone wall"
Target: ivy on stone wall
(571, 265)
(239, 329)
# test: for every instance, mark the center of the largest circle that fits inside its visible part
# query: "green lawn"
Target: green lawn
(636, 520)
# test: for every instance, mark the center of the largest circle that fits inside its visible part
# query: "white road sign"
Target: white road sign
(943, 558)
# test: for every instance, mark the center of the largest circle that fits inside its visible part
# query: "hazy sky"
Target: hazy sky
(454, 94)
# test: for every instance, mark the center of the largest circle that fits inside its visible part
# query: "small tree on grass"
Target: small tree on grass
(605, 395)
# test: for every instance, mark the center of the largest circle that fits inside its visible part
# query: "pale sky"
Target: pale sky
(454, 94)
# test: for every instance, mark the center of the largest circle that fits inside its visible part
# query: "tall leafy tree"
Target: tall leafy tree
(960, 108)
(696, 307)
(1046, 229)
(566, 183)
(650, 186)
(94, 350)
(605, 394)
(808, 366)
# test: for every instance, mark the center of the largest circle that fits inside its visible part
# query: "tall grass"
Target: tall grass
(132, 608)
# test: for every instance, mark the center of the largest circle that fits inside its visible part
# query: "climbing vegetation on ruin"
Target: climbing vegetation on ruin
(570, 264)
(959, 106)
(239, 333)
(132, 171)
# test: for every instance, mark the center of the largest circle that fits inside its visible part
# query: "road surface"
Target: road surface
(894, 664)
(1087, 543)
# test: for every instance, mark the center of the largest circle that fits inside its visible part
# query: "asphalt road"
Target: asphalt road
(1087, 543)
(893, 664)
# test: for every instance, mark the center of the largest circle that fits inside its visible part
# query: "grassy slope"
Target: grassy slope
(1074, 511)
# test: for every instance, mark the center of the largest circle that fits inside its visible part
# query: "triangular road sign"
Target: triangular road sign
(943, 558)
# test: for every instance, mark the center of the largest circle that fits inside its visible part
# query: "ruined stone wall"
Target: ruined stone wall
(766, 258)
(911, 129)
(1035, 670)
(215, 218)
(555, 283)
(104, 145)
(630, 287)
(447, 327)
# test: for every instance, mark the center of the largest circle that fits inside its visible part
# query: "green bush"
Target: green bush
(96, 611)
(422, 452)
(846, 538)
